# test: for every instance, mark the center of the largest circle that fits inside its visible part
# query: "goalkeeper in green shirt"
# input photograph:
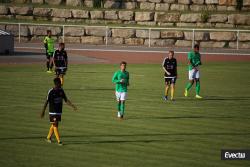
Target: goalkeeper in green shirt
(121, 79)
(49, 47)
(194, 61)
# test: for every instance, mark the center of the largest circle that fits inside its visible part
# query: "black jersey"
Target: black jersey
(171, 66)
(60, 58)
(55, 99)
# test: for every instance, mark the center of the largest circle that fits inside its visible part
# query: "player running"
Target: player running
(194, 61)
(121, 79)
(60, 61)
(55, 99)
(169, 66)
(49, 48)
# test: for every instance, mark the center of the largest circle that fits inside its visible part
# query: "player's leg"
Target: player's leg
(51, 131)
(61, 78)
(118, 96)
(47, 61)
(56, 132)
(172, 91)
(167, 83)
(190, 83)
(50, 61)
(122, 99)
(122, 108)
(197, 88)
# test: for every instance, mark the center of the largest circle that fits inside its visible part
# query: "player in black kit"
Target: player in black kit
(170, 68)
(55, 99)
(60, 60)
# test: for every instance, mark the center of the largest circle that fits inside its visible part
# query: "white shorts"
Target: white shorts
(193, 74)
(121, 95)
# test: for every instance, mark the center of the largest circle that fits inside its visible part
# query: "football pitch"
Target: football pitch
(155, 133)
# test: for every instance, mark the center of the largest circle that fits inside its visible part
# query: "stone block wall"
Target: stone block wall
(132, 36)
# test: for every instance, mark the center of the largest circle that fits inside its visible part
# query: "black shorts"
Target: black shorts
(54, 118)
(49, 55)
(60, 71)
(170, 80)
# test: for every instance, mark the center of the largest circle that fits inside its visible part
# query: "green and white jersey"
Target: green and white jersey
(195, 60)
(118, 76)
(50, 44)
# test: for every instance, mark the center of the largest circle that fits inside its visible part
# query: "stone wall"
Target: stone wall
(127, 17)
(163, 5)
(135, 37)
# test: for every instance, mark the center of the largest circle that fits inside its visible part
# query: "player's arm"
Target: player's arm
(66, 59)
(190, 60)
(176, 72)
(115, 78)
(163, 66)
(45, 43)
(44, 108)
(53, 59)
(128, 80)
(68, 102)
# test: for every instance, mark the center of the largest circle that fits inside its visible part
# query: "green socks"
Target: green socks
(189, 85)
(197, 88)
(122, 109)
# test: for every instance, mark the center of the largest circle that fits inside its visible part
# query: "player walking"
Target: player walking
(49, 48)
(55, 99)
(60, 60)
(194, 61)
(169, 66)
(121, 79)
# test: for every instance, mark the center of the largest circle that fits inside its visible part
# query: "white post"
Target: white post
(63, 34)
(106, 42)
(149, 37)
(237, 43)
(193, 39)
(19, 32)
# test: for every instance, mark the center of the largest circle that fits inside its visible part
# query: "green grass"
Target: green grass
(188, 132)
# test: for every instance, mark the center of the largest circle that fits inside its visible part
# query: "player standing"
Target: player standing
(55, 99)
(49, 47)
(60, 61)
(169, 66)
(194, 61)
(121, 79)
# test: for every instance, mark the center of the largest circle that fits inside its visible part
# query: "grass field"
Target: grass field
(187, 132)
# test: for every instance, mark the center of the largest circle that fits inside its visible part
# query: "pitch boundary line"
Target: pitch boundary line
(140, 51)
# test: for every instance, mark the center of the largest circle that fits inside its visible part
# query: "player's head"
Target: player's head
(57, 82)
(196, 48)
(49, 33)
(61, 46)
(170, 54)
(123, 65)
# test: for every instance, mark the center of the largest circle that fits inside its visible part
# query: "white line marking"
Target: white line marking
(138, 51)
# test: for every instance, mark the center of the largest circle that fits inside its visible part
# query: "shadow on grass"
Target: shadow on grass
(116, 139)
(215, 98)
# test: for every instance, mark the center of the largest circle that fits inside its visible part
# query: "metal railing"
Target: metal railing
(107, 28)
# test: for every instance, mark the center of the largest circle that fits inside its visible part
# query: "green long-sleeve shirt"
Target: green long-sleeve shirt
(117, 77)
(195, 60)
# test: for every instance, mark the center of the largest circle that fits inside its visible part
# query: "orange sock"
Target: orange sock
(57, 134)
(50, 132)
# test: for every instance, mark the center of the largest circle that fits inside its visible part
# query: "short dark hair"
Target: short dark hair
(171, 51)
(61, 44)
(57, 81)
(123, 62)
(197, 46)
(48, 31)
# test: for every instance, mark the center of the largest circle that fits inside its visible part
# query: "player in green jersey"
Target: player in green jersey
(194, 61)
(49, 47)
(121, 79)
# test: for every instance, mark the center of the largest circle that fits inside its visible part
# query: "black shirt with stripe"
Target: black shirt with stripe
(55, 98)
(60, 58)
(171, 66)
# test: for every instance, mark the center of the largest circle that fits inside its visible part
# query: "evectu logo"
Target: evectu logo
(235, 154)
